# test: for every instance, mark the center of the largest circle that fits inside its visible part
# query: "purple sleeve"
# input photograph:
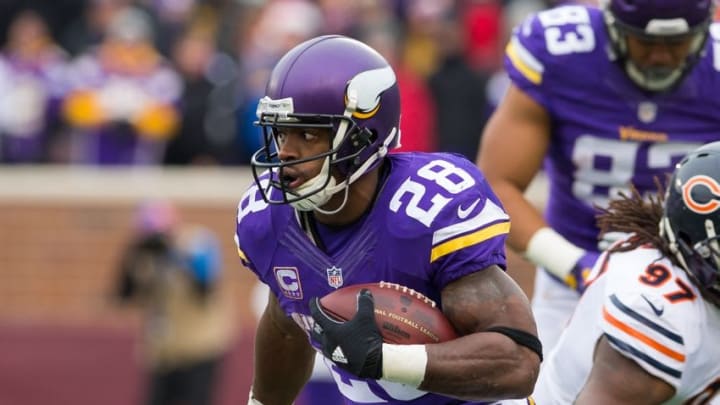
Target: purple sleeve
(470, 233)
(525, 58)
(552, 51)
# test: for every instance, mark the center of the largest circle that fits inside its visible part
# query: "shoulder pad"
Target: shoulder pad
(647, 318)
(446, 197)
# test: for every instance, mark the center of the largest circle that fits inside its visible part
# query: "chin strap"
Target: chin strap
(657, 83)
(320, 189)
(324, 186)
(667, 232)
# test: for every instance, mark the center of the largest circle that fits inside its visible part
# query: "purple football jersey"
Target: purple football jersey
(606, 132)
(123, 97)
(435, 220)
(30, 94)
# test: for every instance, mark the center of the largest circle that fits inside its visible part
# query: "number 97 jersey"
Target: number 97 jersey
(650, 312)
(606, 132)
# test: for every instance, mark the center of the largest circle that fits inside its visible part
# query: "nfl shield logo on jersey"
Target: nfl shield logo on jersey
(335, 277)
(647, 111)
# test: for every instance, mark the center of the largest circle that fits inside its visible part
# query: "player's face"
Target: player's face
(657, 53)
(296, 144)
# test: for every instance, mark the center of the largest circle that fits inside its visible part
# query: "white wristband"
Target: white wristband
(550, 250)
(404, 363)
(252, 400)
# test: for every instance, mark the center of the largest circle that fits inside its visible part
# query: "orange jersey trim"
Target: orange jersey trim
(642, 337)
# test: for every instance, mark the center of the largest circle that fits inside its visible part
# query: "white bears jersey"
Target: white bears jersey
(651, 313)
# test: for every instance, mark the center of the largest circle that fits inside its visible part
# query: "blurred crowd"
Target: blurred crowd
(151, 82)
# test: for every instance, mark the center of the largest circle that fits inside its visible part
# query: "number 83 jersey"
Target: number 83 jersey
(434, 220)
(606, 132)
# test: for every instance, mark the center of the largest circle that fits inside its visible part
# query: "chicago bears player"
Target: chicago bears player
(646, 329)
(600, 97)
(330, 208)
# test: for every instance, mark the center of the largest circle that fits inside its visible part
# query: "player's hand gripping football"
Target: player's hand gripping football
(577, 278)
(355, 345)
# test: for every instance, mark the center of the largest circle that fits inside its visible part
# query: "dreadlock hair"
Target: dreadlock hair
(638, 216)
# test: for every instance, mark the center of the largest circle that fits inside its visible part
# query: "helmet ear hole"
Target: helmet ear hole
(373, 136)
(363, 137)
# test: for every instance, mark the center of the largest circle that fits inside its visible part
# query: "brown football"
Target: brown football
(403, 315)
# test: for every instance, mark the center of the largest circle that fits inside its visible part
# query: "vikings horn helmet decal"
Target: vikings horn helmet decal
(374, 83)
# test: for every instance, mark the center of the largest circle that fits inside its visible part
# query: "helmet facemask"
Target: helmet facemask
(690, 224)
(701, 260)
(656, 79)
(340, 168)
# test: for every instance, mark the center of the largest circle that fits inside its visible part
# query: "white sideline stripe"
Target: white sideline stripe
(85, 184)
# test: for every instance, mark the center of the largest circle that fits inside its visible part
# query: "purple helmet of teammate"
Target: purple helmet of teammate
(658, 21)
(331, 82)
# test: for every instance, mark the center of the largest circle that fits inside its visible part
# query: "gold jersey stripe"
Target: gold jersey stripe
(531, 74)
(469, 240)
(242, 255)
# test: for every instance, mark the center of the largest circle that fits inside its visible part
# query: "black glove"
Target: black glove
(355, 345)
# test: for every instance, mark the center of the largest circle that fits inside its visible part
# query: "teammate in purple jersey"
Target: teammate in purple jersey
(601, 98)
(32, 84)
(330, 208)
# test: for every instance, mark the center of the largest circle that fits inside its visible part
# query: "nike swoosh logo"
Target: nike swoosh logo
(464, 212)
(658, 311)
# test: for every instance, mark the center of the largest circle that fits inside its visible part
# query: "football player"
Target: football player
(599, 97)
(330, 208)
(646, 329)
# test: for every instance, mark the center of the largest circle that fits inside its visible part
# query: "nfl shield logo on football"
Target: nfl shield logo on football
(335, 277)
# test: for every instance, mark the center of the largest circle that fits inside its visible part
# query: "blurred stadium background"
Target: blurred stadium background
(107, 103)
